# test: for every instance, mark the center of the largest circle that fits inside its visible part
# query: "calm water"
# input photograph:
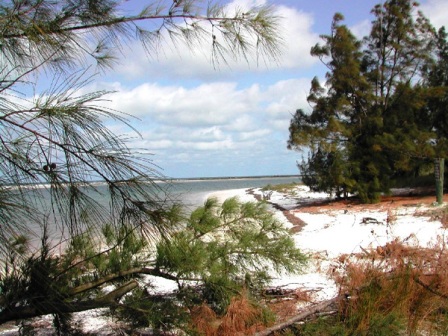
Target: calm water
(190, 192)
(194, 192)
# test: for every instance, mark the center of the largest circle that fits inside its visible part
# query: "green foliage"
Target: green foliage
(282, 187)
(56, 142)
(375, 122)
(31, 283)
(157, 311)
(220, 250)
(229, 246)
(213, 255)
(328, 172)
(379, 325)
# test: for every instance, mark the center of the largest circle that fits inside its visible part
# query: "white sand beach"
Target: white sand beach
(327, 232)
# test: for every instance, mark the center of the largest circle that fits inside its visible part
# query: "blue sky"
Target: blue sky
(199, 121)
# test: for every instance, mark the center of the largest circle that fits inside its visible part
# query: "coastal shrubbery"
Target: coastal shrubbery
(217, 258)
(390, 290)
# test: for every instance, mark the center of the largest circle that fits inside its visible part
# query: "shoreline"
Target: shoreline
(328, 231)
(242, 194)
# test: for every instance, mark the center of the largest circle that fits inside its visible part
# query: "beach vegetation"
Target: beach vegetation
(282, 187)
(393, 289)
(217, 258)
(380, 115)
(61, 251)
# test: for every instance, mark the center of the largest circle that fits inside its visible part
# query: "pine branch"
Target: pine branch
(115, 276)
(60, 307)
(121, 20)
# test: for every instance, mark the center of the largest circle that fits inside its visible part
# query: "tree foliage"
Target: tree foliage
(59, 245)
(328, 172)
(210, 256)
(374, 109)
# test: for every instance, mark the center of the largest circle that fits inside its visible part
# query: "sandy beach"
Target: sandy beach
(325, 230)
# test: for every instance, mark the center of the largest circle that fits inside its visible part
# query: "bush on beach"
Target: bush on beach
(212, 257)
(394, 289)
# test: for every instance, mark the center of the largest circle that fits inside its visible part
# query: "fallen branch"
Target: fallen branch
(57, 306)
(370, 220)
(114, 276)
(315, 309)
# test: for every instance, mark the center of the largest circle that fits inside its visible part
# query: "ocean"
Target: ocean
(189, 192)
(193, 192)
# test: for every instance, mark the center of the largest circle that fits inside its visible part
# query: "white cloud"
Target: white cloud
(208, 145)
(285, 98)
(436, 11)
(245, 4)
(207, 104)
(298, 38)
(361, 29)
(242, 123)
(260, 133)
(213, 108)
(218, 124)
(210, 133)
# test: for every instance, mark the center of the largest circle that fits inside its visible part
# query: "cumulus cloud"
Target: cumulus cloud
(213, 106)
(242, 123)
(298, 38)
(285, 98)
(207, 104)
(199, 120)
(222, 121)
(436, 11)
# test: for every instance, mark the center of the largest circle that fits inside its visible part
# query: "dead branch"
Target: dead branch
(428, 288)
(315, 309)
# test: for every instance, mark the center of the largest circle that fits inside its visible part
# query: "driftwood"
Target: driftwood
(300, 317)
(370, 220)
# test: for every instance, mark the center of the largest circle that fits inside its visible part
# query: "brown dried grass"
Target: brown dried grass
(283, 309)
(408, 282)
(204, 320)
(242, 318)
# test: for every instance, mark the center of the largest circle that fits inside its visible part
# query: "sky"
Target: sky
(200, 120)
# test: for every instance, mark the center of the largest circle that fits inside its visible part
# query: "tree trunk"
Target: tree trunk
(439, 170)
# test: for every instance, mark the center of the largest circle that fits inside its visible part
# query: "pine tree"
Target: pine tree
(212, 255)
(359, 113)
(58, 138)
(436, 109)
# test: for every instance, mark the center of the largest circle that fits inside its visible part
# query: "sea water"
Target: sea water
(191, 193)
